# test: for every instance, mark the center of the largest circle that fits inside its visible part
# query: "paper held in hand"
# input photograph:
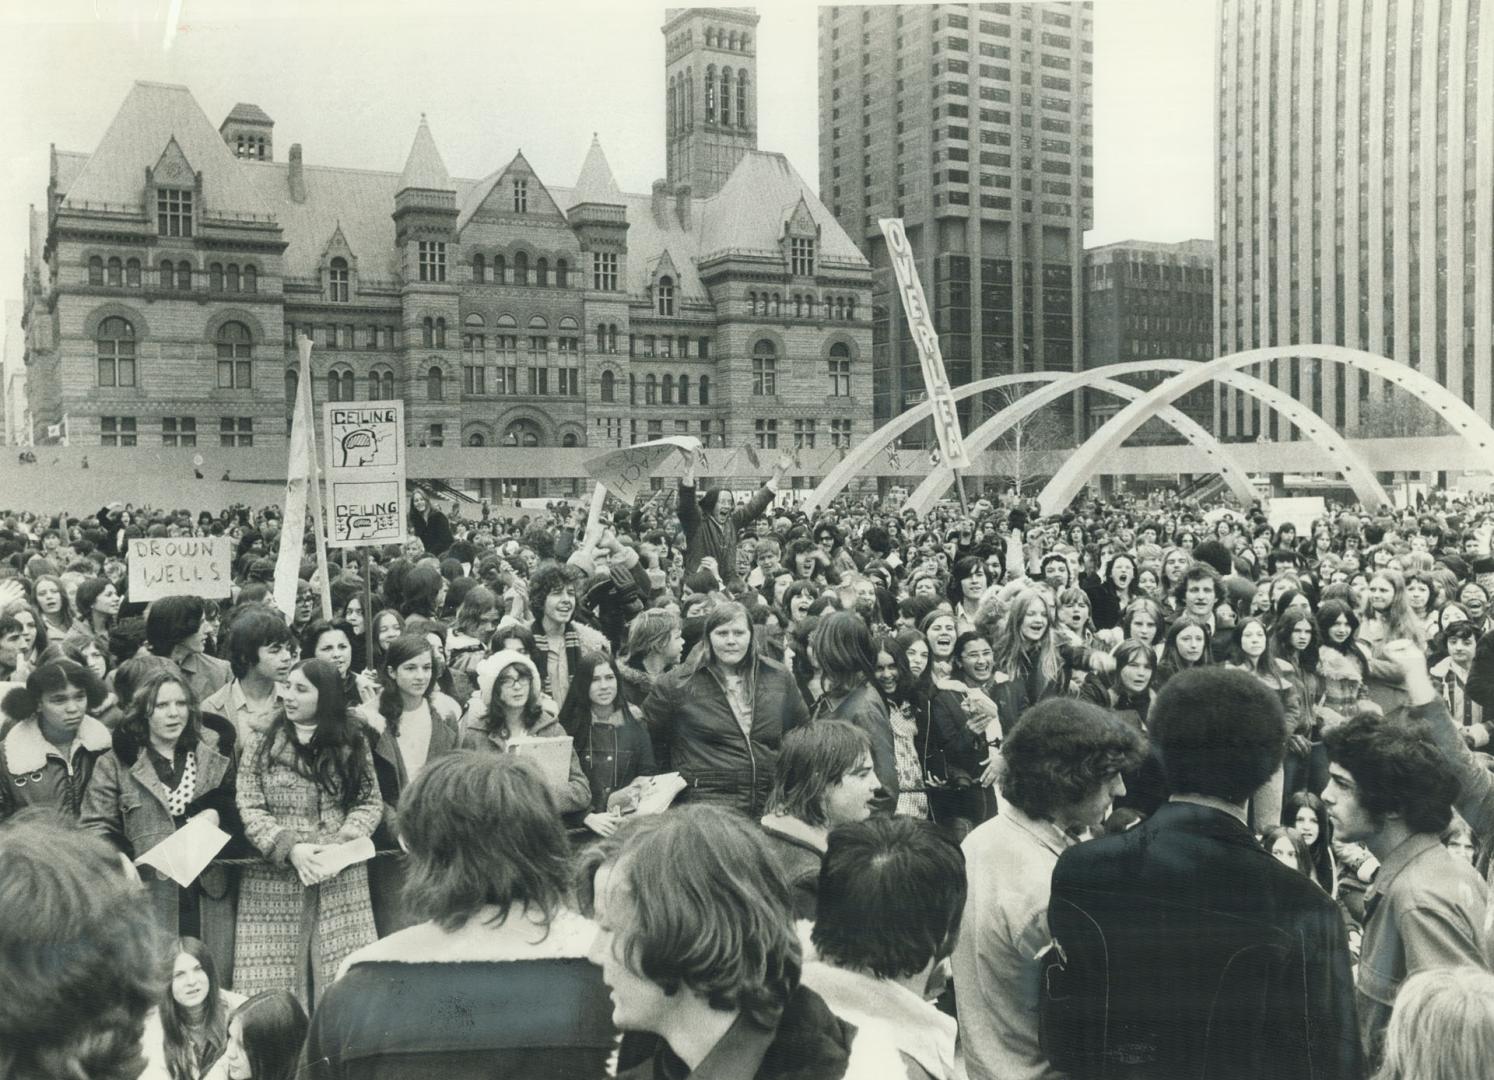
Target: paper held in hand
(336, 858)
(552, 753)
(186, 853)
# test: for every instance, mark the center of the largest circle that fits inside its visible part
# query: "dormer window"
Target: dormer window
(664, 296)
(521, 196)
(801, 257)
(173, 212)
(337, 281)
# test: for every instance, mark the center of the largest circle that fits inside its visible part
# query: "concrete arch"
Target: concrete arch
(1461, 418)
(940, 478)
(1356, 472)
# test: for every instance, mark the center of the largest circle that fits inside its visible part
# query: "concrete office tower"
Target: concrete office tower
(1355, 192)
(1145, 300)
(972, 123)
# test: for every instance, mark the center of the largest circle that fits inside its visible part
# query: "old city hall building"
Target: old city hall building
(174, 265)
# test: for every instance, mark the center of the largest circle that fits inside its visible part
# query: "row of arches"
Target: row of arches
(500, 269)
(115, 272)
(802, 306)
(522, 432)
(476, 324)
(731, 40)
(718, 96)
(658, 391)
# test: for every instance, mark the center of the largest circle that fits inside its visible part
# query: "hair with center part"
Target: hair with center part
(183, 1059)
(704, 906)
(273, 1027)
(483, 833)
(812, 759)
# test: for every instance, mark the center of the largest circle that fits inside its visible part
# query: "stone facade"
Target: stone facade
(501, 310)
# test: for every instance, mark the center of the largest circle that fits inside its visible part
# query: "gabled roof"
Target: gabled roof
(749, 211)
(596, 183)
(247, 113)
(424, 168)
(151, 116)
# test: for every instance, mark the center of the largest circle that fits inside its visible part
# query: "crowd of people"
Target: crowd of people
(1142, 791)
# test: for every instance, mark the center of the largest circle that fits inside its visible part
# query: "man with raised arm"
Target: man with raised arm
(712, 525)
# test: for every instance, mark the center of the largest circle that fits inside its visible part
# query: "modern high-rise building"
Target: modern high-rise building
(1355, 194)
(1145, 300)
(972, 123)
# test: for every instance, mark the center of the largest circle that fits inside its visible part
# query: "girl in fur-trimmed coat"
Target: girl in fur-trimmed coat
(305, 784)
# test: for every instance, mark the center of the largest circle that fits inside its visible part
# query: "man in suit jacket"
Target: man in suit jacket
(1183, 949)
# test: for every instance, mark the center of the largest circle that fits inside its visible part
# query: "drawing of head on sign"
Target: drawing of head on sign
(358, 447)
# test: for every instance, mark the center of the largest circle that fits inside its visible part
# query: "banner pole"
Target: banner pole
(368, 612)
(314, 483)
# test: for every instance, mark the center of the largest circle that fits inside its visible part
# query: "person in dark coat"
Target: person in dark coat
(1182, 948)
(429, 524)
(718, 718)
(713, 527)
(847, 660)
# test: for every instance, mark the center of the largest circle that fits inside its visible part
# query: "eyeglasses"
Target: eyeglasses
(513, 681)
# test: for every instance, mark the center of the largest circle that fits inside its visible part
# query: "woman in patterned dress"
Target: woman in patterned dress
(306, 784)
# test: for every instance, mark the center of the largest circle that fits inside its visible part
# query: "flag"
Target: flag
(751, 452)
(54, 431)
(297, 482)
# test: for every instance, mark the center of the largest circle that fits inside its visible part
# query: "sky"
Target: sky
(498, 76)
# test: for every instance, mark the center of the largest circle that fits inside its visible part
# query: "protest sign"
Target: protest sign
(365, 473)
(1301, 512)
(180, 566)
(626, 471)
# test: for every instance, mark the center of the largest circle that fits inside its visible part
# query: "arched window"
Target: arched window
(562, 274)
(632, 389)
(840, 307)
(684, 389)
(752, 303)
(777, 304)
(664, 295)
(710, 94)
(340, 385)
(522, 433)
(568, 322)
(428, 332)
(476, 439)
(521, 268)
(612, 338)
(609, 386)
(184, 276)
(538, 322)
(670, 106)
(251, 279)
(215, 277)
(798, 306)
(474, 323)
(116, 272)
(380, 384)
(235, 356)
(731, 40)
(500, 270)
(479, 268)
(726, 96)
(292, 384)
(601, 337)
(764, 368)
(689, 98)
(506, 322)
(96, 271)
(705, 389)
(710, 37)
(650, 390)
(850, 307)
(116, 352)
(166, 272)
(231, 278)
(440, 333)
(809, 305)
(742, 94)
(569, 439)
(132, 273)
(435, 389)
(337, 281)
(542, 272)
(668, 398)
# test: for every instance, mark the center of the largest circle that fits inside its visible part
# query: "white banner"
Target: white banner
(626, 472)
(941, 397)
(180, 566)
(365, 473)
(297, 480)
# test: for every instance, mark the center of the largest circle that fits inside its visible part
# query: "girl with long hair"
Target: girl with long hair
(50, 597)
(655, 644)
(1113, 596)
(1285, 844)
(1144, 621)
(1028, 666)
(610, 741)
(169, 764)
(265, 1037)
(306, 785)
(189, 1033)
(1306, 813)
(510, 710)
(1186, 646)
(1175, 563)
(388, 624)
(903, 691)
(848, 661)
(1343, 667)
(940, 630)
(967, 583)
(1250, 650)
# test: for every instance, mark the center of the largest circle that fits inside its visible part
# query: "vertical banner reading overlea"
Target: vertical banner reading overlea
(941, 397)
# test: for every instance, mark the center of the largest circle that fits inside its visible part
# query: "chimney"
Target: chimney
(682, 205)
(661, 203)
(297, 178)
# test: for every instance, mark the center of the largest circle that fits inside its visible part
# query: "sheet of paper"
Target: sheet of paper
(659, 792)
(186, 853)
(337, 858)
(552, 754)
